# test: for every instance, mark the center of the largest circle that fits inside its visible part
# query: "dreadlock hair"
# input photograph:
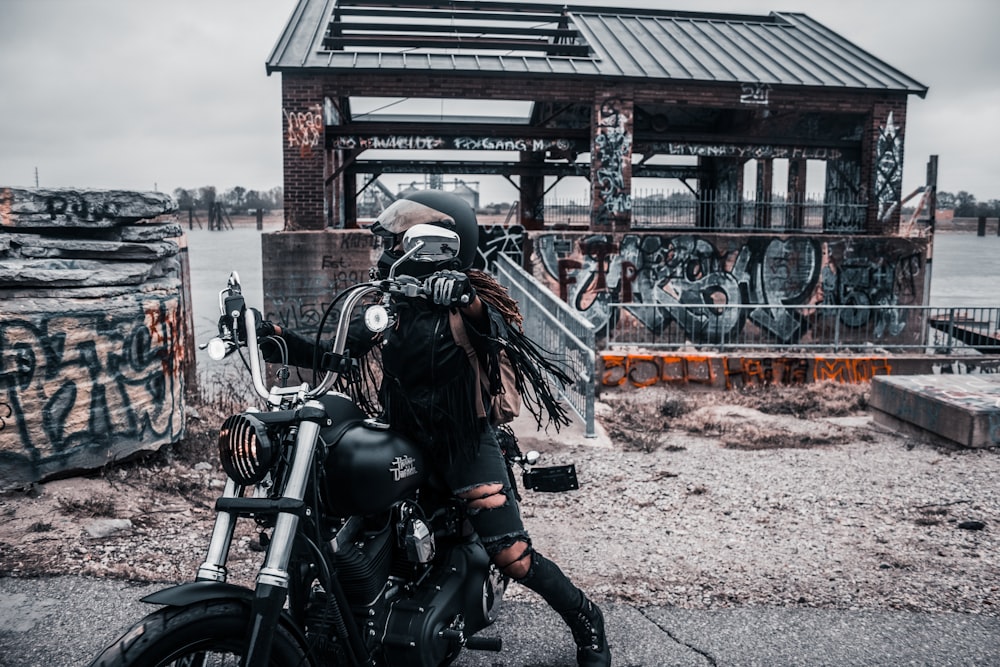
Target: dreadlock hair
(495, 294)
(532, 366)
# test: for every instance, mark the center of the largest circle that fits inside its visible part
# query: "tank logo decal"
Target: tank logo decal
(403, 467)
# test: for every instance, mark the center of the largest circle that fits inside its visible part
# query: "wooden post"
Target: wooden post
(932, 179)
(260, 218)
(982, 226)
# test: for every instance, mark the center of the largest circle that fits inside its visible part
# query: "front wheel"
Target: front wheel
(210, 633)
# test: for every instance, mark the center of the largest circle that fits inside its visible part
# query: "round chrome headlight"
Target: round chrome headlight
(245, 449)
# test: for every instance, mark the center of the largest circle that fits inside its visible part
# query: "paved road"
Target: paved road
(65, 621)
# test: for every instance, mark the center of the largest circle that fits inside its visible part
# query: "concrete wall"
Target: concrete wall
(623, 371)
(93, 329)
(303, 270)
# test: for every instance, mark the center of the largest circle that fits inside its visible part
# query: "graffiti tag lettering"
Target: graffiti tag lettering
(79, 383)
(304, 129)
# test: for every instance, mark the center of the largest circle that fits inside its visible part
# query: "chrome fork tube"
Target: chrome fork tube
(275, 569)
(214, 567)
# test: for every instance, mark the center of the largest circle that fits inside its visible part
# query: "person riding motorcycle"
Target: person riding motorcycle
(434, 390)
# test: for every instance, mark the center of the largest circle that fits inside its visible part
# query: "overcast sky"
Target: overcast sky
(143, 94)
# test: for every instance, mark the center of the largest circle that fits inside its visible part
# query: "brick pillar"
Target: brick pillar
(795, 215)
(611, 162)
(882, 165)
(765, 189)
(303, 153)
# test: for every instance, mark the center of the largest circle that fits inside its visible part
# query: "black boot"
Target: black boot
(582, 616)
(587, 625)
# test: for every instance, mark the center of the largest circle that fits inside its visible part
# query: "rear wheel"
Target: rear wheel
(204, 634)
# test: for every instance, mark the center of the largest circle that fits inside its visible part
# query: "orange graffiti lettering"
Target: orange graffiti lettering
(643, 370)
(614, 370)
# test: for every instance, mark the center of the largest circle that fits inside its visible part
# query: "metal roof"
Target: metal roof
(509, 38)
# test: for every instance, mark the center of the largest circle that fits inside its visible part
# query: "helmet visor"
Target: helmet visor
(403, 214)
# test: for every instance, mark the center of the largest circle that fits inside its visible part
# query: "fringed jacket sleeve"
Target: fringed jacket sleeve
(538, 373)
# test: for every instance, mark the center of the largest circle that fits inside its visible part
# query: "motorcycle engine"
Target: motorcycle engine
(457, 599)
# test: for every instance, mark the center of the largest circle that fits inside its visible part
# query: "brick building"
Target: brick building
(612, 94)
(739, 110)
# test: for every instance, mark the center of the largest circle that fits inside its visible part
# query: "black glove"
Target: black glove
(263, 327)
(266, 328)
(449, 288)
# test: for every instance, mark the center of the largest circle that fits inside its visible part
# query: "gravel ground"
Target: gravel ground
(722, 506)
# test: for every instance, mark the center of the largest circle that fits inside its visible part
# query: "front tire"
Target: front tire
(212, 631)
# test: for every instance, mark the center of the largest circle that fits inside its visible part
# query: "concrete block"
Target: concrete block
(962, 408)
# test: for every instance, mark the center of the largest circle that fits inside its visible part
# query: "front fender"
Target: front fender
(199, 591)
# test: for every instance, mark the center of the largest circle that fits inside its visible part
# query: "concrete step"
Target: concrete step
(964, 409)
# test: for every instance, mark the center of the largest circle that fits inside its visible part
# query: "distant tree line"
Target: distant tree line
(237, 200)
(965, 205)
(240, 200)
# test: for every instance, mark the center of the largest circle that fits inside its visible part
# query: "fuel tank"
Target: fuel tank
(368, 469)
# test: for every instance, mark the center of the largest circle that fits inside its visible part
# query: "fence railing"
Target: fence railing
(833, 328)
(556, 327)
(811, 213)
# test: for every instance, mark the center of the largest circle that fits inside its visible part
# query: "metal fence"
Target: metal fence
(556, 327)
(710, 210)
(834, 328)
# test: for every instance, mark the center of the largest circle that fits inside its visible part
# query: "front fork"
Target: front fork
(272, 579)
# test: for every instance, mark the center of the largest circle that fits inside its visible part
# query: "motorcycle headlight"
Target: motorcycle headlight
(245, 449)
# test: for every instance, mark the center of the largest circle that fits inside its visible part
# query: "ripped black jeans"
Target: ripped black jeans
(483, 483)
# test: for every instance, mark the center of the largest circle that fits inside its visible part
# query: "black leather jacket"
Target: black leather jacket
(428, 387)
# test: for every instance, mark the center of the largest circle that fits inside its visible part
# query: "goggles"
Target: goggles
(403, 214)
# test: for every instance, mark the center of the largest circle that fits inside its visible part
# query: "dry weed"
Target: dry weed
(639, 425)
(88, 507)
(817, 399)
(753, 438)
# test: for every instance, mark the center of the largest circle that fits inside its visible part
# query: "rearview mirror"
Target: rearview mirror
(439, 244)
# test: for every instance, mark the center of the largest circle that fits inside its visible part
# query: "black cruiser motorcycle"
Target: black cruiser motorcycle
(367, 560)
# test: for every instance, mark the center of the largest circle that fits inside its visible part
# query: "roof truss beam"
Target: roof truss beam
(514, 168)
(456, 42)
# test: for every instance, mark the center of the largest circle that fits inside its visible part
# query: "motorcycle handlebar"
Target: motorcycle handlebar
(426, 243)
(222, 346)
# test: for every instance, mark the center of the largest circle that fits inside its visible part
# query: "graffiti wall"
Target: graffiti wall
(93, 332)
(888, 169)
(304, 270)
(304, 128)
(672, 287)
(628, 370)
(87, 381)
